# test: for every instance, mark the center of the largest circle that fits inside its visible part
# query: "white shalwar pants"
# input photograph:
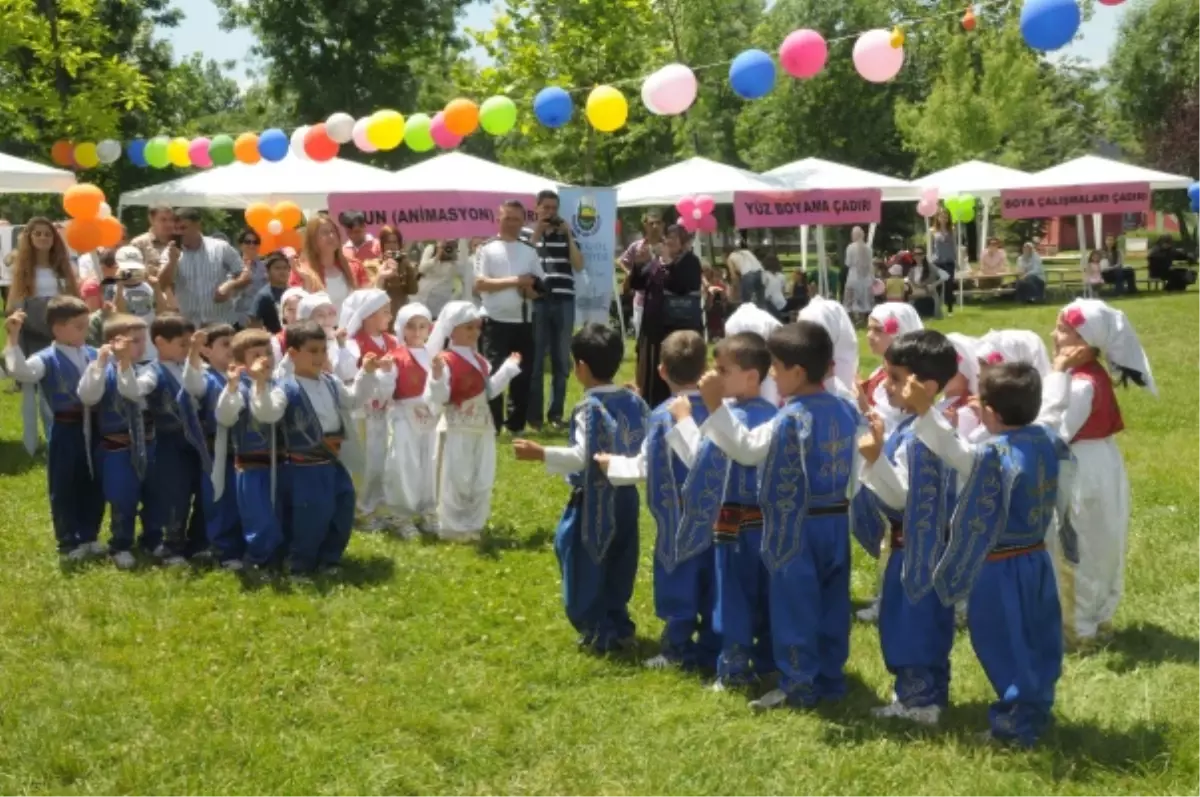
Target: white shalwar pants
(466, 469)
(409, 486)
(371, 481)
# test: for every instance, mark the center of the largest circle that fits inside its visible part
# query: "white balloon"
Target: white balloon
(105, 210)
(359, 134)
(275, 226)
(298, 142)
(108, 150)
(340, 127)
(648, 90)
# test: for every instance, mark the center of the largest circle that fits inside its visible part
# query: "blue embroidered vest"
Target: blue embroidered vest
(60, 384)
(175, 412)
(301, 427)
(249, 435)
(665, 477)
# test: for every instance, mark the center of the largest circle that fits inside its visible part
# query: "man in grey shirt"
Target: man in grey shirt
(205, 273)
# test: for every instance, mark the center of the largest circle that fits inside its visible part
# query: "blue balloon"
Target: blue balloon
(752, 74)
(1049, 24)
(553, 107)
(273, 144)
(137, 153)
(1194, 196)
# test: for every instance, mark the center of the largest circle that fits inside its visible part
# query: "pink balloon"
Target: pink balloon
(359, 135)
(1111, 2)
(670, 91)
(198, 152)
(707, 224)
(930, 194)
(441, 136)
(685, 207)
(875, 58)
(927, 207)
(803, 53)
(705, 204)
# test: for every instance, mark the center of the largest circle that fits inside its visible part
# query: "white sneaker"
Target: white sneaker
(659, 662)
(923, 715)
(405, 528)
(97, 549)
(869, 614)
(124, 560)
(773, 699)
(79, 553)
(718, 686)
(892, 709)
(232, 565)
(430, 523)
(174, 561)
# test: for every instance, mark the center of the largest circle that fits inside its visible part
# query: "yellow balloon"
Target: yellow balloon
(86, 156)
(177, 152)
(385, 129)
(607, 109)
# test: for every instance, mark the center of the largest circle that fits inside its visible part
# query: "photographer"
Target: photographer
(395, 275)
(440, 264)
(126, 288)
(554, 312)
(509, 276)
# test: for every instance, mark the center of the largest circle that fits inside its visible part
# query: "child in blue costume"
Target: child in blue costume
(76, 503)
(597, 537)
(723, 497)
(915, 491)
(996, 557)
(259, 483)
(125, 450)
(684, 579)
(806, 463)
(313, 408)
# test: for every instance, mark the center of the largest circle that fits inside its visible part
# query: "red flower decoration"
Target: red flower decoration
(995, 358)
(1074, 317)
(958, 358)
(891, 326)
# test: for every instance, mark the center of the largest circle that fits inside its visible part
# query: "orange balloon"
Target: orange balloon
(267, 242)
(83, 201)
(245, 148)
(291, 238)
(289, 215)
(461, 117)
(63, 153)
(258, 216)
(83, 235)
(110, 231)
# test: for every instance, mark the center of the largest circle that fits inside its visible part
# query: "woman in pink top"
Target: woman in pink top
(324, 267)
(993, 264)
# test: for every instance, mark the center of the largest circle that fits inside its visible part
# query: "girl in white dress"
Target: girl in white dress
(342, 362)
(461, 382)
(860, 275)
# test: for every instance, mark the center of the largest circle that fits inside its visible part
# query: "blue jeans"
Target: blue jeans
(553, 325)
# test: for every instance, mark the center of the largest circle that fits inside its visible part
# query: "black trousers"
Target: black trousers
(501, 339)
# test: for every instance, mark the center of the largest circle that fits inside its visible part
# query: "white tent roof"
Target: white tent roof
(974, 177)
(689, 178)
(26, 177)
(1094, 170)
(809, 174)
(238, 185)
(458, 171)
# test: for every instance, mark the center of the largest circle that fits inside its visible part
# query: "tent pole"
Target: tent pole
(821, 264)
(871, 234)
(1083, 254)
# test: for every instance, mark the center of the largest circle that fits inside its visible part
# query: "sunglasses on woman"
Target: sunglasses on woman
(251, 242)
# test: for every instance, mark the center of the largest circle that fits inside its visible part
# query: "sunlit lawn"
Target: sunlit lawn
(446, 668)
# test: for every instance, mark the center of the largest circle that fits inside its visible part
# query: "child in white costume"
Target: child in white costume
(289, 308)
(837, 323)
(1099, 500)
(409, 487)
(365, 317)
(1014, 345)
(461, 383)
(320, 308)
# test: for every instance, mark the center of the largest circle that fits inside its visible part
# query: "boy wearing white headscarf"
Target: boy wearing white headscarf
(409, 487)
(366, 317)
(1099, 500)
(461, 383)
(859, 275)
(837, 323)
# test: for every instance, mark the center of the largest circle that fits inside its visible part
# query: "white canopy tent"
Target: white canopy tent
(693, 176)
(458, 171)
(19, 176)
(238, 185)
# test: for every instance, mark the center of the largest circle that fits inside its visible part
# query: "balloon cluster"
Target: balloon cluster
(961, 208)
(92, 223)
(695, 213)
(86, 155)
(928, 204)
(276, 226)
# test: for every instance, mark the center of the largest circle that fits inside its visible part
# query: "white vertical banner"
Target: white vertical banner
(592, 213)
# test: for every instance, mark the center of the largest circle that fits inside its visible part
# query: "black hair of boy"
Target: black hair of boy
(170, 326)
(117, 325)
(62, 309)
(684, 357)
(1013, 391)
(805, 345)
(215, 332)
(274, 258)
(748, 351)
(249, 339)
(600, 348)
(926, 353)
(302, 332)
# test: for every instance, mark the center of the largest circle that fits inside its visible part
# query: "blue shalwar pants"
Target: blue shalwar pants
(741, 615)
(76, 498)
(916, 639)
(123, 492)
(596, 595)
(322, 514)
(1015, 621)
(263, 523)
(222, 521)
(684, 599)
(810, 613)
(174, 490)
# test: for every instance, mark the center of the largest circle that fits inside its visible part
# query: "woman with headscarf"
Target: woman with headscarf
(860, 275)
(640, 255)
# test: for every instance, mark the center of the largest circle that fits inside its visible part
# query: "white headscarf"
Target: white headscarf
(1014, 346)
(454, 314)
(832, 315)
(750, 318)
(968, 359)
(903, 314)
(1108, 329)
(368, 302)
(310, 303)
(287, 296)
(407, 313)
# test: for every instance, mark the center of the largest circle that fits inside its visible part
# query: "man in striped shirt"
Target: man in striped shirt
(554, 311)
(205, 273)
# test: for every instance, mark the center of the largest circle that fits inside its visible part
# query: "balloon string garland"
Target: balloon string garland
(878, 56)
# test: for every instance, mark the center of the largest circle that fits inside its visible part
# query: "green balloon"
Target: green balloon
(497, 115)
(416, 133)
(156, 152)
(220, 150)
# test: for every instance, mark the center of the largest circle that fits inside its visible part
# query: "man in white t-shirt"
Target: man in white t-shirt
(508, 277)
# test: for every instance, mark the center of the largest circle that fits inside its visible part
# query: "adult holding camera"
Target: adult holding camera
(509, 277)
(396, 275)
(205, 273)
(554, 312)
(441, 263)
(673, 302)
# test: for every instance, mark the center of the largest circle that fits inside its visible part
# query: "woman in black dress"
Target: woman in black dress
(672, 284)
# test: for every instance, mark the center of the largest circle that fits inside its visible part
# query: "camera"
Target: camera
(555, 220)
(394, 254)
(177, 239)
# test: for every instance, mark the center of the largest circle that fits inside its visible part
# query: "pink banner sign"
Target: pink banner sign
(430, 215)
(1042, 203)
(796, 208)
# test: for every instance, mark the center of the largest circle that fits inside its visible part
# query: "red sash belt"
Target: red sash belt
(1000, 554)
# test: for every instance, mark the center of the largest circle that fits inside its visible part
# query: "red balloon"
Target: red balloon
(63, 153)
(318, 145)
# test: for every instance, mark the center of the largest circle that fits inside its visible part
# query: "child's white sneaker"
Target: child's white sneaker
(124, 560)
(773, 699)
(659, 662)
(97, 549)
(430, 523)
(405, 528)
(923, 715)
(869, 614)
(175, 561)
(79, 553)
(232, 565)
(718, 686)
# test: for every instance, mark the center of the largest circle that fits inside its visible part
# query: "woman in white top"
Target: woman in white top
(442, 265)
(745, 268)
(324, 267)
(42, 271)
(856, 295)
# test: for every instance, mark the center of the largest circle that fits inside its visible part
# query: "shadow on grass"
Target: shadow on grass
(15, 460)
(1150, 644)
(505, 537)
(354, 571)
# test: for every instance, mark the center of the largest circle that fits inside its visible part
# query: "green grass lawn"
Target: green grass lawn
(434, 668)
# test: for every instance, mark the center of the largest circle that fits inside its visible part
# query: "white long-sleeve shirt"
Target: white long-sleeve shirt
(683, 439)
(31, 370)
(745, 446)
(269, 406)
(229, 408)
(437, 391)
